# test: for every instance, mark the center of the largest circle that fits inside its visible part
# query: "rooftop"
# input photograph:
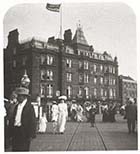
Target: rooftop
(79, 37)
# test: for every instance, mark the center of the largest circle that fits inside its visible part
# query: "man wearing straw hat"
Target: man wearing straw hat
(23, 122)
(62, 114)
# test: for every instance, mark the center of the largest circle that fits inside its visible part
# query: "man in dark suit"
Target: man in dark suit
(131, 115)
(23, 122)
(92, 113)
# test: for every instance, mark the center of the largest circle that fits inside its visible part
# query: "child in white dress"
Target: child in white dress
(42, 124)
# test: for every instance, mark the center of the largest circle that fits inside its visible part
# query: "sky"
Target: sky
(108, 27)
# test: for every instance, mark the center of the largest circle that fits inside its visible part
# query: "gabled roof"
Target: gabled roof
(79, 37)
(126, 77)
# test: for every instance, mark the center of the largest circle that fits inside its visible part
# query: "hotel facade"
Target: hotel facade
(68, 66)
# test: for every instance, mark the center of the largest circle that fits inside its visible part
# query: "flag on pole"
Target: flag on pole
(53, 7)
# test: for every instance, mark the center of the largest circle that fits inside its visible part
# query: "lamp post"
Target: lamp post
(25, 81)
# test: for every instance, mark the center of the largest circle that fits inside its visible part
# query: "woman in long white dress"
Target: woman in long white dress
(62, 115)
(54, 110)
(42, 124)
(79, 113)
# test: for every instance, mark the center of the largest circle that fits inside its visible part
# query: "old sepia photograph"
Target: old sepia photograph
(70, 77)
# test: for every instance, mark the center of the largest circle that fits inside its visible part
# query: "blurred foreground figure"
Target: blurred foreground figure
(131, 115)
(23, 124)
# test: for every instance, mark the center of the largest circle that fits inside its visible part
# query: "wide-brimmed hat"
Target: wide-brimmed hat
(73, 101)
(22, 91)
(131, 100)
(62, 97)
(54, 102)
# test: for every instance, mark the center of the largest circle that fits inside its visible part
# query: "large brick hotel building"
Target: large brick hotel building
(70, 66)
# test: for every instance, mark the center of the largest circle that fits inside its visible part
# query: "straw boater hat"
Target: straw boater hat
(62, 97)
(22, 91)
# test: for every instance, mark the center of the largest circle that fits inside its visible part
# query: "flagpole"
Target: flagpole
(61, 21)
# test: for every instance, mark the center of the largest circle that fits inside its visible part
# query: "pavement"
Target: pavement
(82, 137)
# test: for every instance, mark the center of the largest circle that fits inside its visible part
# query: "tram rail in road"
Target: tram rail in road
(78, 131)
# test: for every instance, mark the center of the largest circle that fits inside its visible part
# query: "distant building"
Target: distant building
(70, 66)
(127, 88)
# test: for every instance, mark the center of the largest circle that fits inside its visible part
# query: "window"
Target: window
(68, 63)
(80, 78)
(114, 92)
(79, 52)
(86, 78)
(42, 90)
(49, 60)
(95, 92)
(69, 77)
(14, 63)
(42, 59)
(85, 65)
(95, 68)
(110, 69)
(80, 91)
(114, 81)
(110, 93)
(105, 93)
(95, 80)
(114, 71)
(70, 51)
(69, 91)
(80, 64)
(102, 92)
(105, 69)
(49, 75)
(49, 90)
(43, 74)
(106, 80)
(110, 81)
(86, 53)
(86, 91)
(101, 80)
(101, 68)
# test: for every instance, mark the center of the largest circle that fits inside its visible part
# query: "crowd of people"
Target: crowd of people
(109, 112)
(21, 119)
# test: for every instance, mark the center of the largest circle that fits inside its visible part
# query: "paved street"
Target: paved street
(82, 137)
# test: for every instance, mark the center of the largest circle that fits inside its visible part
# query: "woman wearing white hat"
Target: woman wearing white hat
(54, 110)
(62, 114)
